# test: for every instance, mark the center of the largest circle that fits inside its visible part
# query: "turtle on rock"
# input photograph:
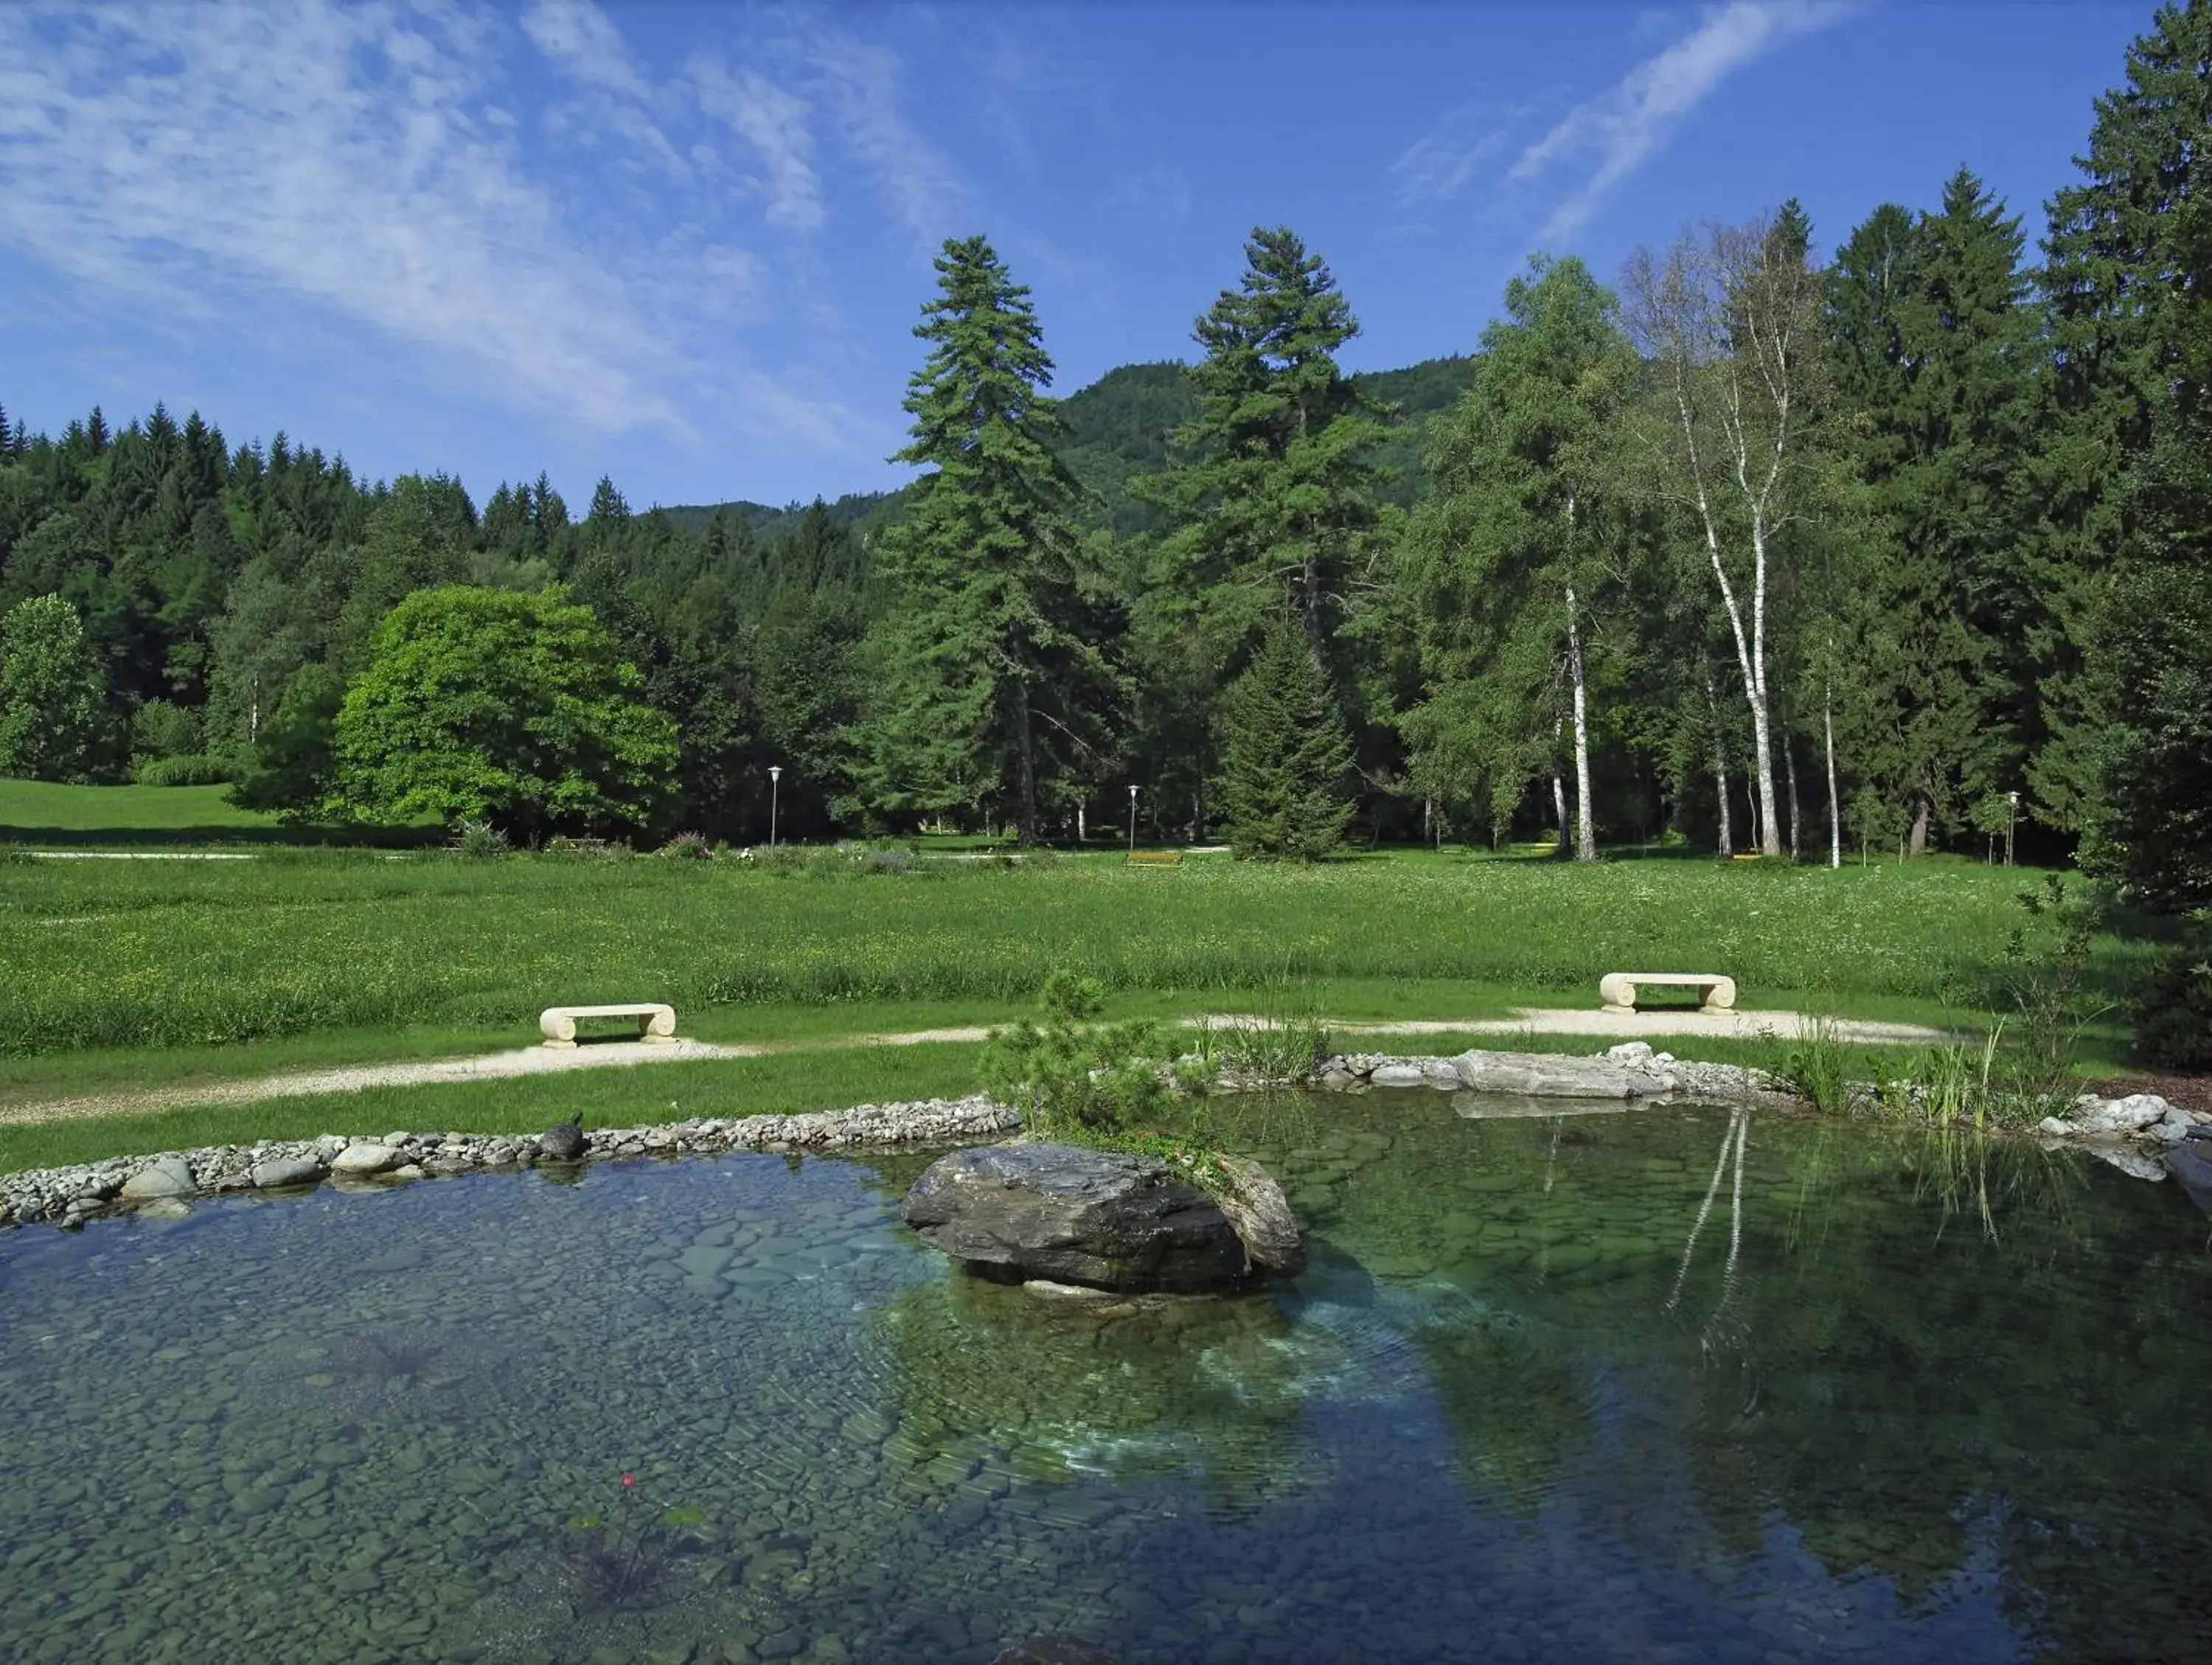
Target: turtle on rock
(563, 1142)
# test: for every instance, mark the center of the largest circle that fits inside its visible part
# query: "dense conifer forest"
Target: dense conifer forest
(1898, 545)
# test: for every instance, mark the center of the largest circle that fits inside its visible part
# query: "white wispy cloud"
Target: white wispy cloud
(578, 35)
(1615, 133)
(859, 88)
(366, 161)
(776, 124)
(1602, 140)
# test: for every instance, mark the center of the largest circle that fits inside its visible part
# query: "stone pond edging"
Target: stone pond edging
(2134, 1135)
(165, 1183)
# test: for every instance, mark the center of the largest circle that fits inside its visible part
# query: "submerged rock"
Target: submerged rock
(1056, 1649)
(1106, 1218)
(1261, 1214)
(2190, 1162)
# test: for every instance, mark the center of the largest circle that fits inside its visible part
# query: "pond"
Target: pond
(1673, 1386)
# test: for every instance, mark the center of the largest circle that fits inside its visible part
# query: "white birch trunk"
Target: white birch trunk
(1585, 821)
(1720, 773)
(1835, 816)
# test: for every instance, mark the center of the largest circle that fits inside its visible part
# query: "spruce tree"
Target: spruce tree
(1933, 347)
(1271, 490)
(2129, 279)
(1286, 760)
(990, 688)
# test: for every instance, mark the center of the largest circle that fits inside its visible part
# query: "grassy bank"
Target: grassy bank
(123, 954)
(787, 1084)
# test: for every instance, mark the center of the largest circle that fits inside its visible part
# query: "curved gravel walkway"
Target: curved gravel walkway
(614, 1055)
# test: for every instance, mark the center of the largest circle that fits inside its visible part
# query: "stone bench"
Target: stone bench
(655, 1022)
(1154, 859)
(1617, 989)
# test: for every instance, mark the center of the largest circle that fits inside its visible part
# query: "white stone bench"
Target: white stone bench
(1617, 989)
(655, 1022)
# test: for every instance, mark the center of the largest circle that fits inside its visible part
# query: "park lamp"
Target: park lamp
(775, 774)
(1133, 820)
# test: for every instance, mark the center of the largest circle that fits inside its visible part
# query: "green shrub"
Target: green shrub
(687, 847)
(479, 841)
(2172, 1007)
(188, 771)
(158, 729)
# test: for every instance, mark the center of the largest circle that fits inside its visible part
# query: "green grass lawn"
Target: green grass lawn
(32, 809)
(100, 955)
(787, 1084)
(125, 975)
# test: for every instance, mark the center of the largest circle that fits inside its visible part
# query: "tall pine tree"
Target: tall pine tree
(1933, 347)
(2129, 278)
(991, 690)
(1286, 761)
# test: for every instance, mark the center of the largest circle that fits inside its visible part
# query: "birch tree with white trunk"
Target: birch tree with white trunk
(1513, 557)
(1728, 320)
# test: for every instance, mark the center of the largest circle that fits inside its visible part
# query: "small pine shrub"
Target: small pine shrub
(1073, 1077)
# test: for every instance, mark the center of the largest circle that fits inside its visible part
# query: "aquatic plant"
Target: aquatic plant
(626, 1557)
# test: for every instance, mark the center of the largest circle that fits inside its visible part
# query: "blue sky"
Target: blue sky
(685, 245)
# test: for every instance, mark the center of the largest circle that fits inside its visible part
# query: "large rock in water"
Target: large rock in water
(1103, 1218)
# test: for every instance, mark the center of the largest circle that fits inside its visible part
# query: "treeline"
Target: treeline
(1903, 547)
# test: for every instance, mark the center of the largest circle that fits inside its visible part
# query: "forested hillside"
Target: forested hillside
(1898, 546)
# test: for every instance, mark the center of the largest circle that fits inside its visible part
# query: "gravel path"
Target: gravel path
(612, 1055)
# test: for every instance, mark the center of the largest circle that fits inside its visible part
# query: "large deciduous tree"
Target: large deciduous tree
(53, 702)
(503, 707)
(1513, 548)
(990, 689)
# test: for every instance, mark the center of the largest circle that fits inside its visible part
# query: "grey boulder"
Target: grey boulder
(165, 1177)
(1261, 1214)
(1560, 1075)
(274, 1173)
(1073, 1215)
(358, 1161)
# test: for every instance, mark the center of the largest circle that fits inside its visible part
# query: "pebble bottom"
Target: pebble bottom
(1537, 1399)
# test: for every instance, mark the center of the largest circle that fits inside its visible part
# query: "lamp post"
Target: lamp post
(2012, 821)
(775, 774)
(1132, 821)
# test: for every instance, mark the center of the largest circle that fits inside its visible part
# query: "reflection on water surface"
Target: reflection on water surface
(1669, 1386)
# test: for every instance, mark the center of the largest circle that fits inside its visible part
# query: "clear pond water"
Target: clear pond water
(1649, 1388)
